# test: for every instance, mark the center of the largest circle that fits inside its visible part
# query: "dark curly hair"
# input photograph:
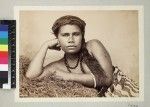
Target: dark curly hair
(68, 19)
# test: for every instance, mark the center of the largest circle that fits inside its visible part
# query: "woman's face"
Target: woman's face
(70, 38)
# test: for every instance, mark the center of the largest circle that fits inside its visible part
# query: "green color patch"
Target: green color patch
(3, 40)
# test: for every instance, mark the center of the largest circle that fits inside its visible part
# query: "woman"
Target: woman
(87, 63)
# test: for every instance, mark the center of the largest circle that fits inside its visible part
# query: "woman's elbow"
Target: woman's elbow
(105, 82)
(109, 77)
(109, 81)
(29, 75)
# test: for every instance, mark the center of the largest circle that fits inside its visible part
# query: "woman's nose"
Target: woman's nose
(70, 40)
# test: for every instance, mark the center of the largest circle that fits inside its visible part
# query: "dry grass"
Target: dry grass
(49, 86)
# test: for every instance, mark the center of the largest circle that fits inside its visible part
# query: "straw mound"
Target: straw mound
(49, 86)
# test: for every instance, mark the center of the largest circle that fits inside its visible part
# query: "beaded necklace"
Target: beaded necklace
(78, 61)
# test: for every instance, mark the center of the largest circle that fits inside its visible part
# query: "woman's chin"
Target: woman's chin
(72, 52)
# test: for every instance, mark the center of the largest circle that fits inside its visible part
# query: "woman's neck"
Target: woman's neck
(72, 60)
(72, 56)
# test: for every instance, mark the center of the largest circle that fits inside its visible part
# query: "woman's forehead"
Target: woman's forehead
(69, 28)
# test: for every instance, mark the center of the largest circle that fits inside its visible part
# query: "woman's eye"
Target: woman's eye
(65, 35)
(76, 34)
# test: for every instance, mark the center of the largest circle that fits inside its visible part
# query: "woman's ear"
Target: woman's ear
(58, 44)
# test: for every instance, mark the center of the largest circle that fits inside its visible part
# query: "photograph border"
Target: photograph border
(140, 10)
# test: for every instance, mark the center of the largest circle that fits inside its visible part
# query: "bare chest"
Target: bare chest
(81, 68)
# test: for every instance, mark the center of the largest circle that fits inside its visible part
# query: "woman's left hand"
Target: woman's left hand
(61, 75)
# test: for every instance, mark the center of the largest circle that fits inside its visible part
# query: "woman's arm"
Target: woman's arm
(36, 66)
(98, 51)
(85, 79)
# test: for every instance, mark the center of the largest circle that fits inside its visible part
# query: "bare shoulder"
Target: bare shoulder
(94, 42)
(93, 45)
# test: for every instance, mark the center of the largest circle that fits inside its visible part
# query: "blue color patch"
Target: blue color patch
(3, 27)
(3, 34)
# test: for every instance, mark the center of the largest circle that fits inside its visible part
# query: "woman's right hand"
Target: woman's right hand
(36, 65)
(52, 44)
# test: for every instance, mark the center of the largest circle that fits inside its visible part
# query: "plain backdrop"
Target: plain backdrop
(7, 98)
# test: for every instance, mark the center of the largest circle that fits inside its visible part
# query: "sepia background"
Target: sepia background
(7, 97)
(116, 29)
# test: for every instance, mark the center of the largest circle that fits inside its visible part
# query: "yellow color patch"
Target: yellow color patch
(3, 47)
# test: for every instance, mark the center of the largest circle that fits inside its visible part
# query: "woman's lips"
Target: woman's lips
(72, 46)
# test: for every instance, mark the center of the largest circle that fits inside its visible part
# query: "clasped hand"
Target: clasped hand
(60, 75)
(52, 44)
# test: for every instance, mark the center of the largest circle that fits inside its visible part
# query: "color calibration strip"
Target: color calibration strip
(8, 54)
(3, 55)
